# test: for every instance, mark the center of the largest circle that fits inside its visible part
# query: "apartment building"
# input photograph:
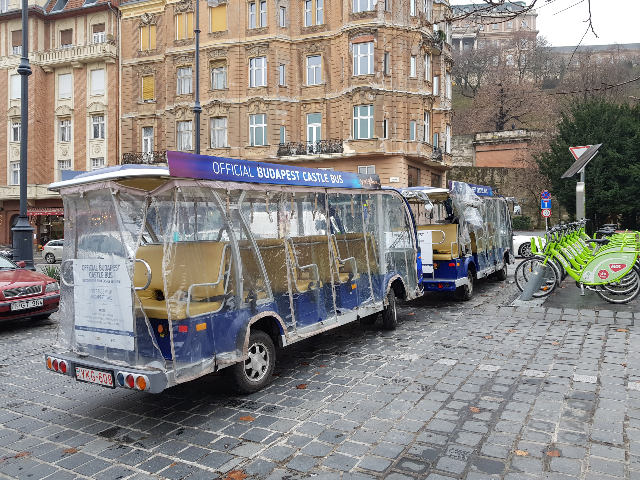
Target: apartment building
(475, 26)
(73, 103)
(353, 85)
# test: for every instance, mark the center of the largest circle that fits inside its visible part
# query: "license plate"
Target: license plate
(27, 304)
(91, 375)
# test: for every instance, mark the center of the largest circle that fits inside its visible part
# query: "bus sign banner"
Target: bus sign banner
(189, 165)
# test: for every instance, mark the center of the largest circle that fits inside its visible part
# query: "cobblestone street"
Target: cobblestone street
(473, 390)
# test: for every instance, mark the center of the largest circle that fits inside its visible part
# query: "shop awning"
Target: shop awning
(45, 211)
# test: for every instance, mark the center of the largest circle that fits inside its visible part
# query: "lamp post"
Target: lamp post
(23, 231)
(197, 109)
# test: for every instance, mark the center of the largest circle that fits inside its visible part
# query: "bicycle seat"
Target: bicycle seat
(606, 232)
(610, 225)
(602, 241)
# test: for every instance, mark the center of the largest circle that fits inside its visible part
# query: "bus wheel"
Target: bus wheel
(465, 292)
(255, 372)
(390, 314)
(502, 273)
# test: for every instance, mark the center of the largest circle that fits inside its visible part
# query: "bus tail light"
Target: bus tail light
(132, 380)
(55, 365)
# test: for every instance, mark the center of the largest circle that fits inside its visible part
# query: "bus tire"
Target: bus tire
(502, 273)
(255, 372)
(465, 292)
(390, 313)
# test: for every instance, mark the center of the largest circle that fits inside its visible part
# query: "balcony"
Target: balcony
(145, 158)
(76, 55)
(320, 148)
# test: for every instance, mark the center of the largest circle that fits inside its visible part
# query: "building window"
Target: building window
(412, 130)
(494, 26)
(524, 24)
(97, 82)
(218, 17)
(436, 85)
(436, 180)
(385, 128)
(387, 5)
(148, 88)
(412, 8)
(362, 121)
(282, 74)
(510, 60)
(64, 86)
(313, 70)
(97, 163)
(258, 130)
(16, 42)
(16, 87)
(219, 75)
(185, 135)
(64, 165)
(319, 12)
(367, 169)
(4, 6)
(184, 81)
(386, 60)
(427, 126)
(481, 27)
(428, 7)
(98, 33)
(413, 67)
(282, 17)
(447, 145)
(314, 127)
(97, 127)
(15, 131)
(184, 25)
(147, 140)
(283, 135)
(413, 179)
(362, 5)
(509, 24)
(311, 7)
(15, 173)
(65, 130)
(447, 86)
(308, 10)
(258, 19)
(219, 132)
(148, 37)
(427, 67)
(363, 58)
(66, 38)
(258, 72)
(436, 141)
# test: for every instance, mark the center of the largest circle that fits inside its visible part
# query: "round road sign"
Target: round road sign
(546, 212)
(546, 195)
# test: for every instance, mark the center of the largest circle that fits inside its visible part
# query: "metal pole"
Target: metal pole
(23, 231)
(197, 109)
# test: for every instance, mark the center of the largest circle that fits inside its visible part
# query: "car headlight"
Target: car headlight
(52, 287)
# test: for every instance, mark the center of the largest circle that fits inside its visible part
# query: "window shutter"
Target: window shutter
(219, 18)
(64, 85)
(180, 26)
(189, 32)
(218, 64)
(148, 92)
(66, 37)
(98, 28)
(152, 37)
(144, 38)
(97, 82)
(16, 38)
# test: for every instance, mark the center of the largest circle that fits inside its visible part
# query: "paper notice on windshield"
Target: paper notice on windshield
(426, 249)
(103, 308)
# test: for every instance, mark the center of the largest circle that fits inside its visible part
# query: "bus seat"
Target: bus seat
(442, 251)
(353, 244)
(475, 248)
(191, 263)
(314, 249)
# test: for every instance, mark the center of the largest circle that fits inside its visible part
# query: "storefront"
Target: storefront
(46, 217)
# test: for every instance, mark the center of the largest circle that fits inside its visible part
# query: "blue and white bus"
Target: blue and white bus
(172, 273)
(464, 233)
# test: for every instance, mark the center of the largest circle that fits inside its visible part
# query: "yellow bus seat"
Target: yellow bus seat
(314, 249)
(442, 251)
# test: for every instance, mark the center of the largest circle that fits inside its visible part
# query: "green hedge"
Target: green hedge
(521, 222)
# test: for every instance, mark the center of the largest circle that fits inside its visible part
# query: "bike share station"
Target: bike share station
(606, 264)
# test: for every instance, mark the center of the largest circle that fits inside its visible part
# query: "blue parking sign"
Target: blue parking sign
(545, 203)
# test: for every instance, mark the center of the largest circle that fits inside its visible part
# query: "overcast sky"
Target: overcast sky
(613, 20)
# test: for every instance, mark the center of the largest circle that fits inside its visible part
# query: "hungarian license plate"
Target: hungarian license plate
(27, 304)
(91, 375)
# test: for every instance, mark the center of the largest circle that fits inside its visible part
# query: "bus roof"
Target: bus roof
(205, 167)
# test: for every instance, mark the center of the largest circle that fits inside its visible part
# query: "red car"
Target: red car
(24, 293)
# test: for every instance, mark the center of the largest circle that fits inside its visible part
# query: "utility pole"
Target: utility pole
(197, 109)
(23, 231)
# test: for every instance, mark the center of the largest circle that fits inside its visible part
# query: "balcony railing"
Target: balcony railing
(75, 55)
(144, 158)
(321, 147)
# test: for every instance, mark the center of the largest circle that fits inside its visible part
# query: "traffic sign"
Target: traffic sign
(577, 151)
(546, 212)
(545, 203)
(545, 195)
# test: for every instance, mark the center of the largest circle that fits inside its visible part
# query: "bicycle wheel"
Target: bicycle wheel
(626, 297)
(524, 272)
(623, 286)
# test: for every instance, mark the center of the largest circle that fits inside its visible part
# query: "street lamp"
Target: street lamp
(23, 231)
(197, 109)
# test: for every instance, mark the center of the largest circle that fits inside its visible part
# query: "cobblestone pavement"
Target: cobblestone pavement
(461, 390)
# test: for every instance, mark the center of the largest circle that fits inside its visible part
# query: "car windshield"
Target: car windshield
(6, 263)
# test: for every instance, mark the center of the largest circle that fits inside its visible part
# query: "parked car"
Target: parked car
(52, 251)
(24, 293)
(6, 252)
(522, 244)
